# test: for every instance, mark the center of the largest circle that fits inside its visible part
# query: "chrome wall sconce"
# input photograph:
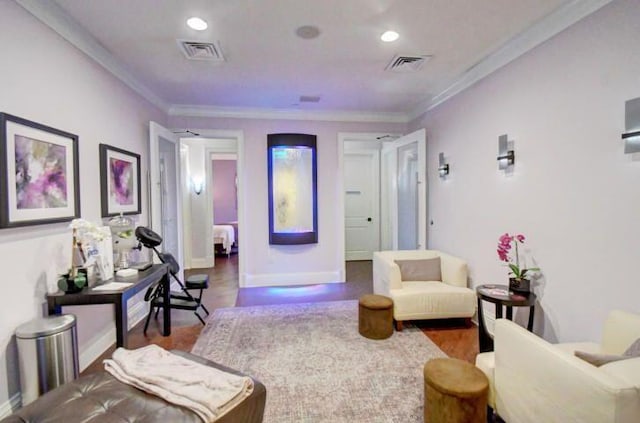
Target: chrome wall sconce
(443, 168)
(198, 185)
(506, 157)
(631, 136)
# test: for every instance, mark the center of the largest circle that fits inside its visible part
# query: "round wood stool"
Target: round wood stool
(454, 392)
(375, 316)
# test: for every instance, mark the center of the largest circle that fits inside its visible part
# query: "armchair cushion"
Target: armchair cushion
(420, 270)
(601, 359)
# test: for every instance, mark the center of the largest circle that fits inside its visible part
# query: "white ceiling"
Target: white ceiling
(268, 67)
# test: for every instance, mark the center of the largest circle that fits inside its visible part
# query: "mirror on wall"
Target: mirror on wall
(293, 198)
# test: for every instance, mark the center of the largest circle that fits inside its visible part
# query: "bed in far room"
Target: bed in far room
(224, 235)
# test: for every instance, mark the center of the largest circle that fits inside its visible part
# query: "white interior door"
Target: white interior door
(361, 199)
(166, 190)
(404, 193)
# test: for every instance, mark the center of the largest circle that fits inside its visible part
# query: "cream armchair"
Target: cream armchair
(428, 299)
(532, 380)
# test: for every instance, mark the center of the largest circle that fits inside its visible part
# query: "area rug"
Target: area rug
(317, 367)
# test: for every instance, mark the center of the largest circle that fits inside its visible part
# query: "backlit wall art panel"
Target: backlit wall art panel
(293, 198)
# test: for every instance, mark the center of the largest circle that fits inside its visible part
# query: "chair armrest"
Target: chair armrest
(454, 270)
(621, 329)
(386, 273)
(537, 383)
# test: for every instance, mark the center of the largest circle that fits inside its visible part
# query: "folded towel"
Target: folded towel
(207, 391)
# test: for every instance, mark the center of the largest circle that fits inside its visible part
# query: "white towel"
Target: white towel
(207, 391)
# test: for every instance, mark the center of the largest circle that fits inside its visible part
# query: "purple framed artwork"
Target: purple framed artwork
(39, 180)
(119, 181)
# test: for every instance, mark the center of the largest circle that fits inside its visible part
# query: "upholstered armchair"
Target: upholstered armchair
(431, 285)
(532, 380)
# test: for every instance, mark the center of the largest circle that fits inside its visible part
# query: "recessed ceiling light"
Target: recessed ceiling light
(389, 36)
(197, 23)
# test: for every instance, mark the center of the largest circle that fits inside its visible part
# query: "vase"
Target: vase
(519, 285)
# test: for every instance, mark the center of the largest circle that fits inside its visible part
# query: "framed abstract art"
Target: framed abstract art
(119, 181)
(39, 177)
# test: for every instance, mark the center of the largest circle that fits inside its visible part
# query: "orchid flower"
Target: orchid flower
(504, 247)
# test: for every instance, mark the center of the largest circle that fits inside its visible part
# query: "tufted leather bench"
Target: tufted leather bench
(100, 398)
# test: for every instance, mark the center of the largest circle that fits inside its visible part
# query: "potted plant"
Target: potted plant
(518, 280)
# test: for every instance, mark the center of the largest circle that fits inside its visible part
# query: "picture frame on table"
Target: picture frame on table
(120, 191)
(39, 173)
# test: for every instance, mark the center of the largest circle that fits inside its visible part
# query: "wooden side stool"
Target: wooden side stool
(375, 316)
(454, 392)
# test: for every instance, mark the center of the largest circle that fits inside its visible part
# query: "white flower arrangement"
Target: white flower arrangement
(88, 231)
(87, 247)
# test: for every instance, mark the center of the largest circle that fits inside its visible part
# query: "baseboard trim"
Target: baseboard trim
(105, 339)
(202, 262)
(10, 405)
(281, 279)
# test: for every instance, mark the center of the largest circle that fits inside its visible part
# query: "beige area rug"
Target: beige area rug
(317, 367)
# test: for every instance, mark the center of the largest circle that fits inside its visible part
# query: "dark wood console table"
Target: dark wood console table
(158, 273)
(501, 297)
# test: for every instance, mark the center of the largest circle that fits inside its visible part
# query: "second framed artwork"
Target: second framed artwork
(119, 181)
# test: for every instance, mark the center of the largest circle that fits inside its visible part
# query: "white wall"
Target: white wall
(573, 192)
(46, 80)
(270, 264)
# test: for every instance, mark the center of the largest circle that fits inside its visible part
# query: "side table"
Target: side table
(501, 297)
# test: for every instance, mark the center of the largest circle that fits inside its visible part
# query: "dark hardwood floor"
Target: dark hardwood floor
(452, 336)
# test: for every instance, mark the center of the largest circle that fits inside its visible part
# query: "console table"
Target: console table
(501, 297)
(158, 273)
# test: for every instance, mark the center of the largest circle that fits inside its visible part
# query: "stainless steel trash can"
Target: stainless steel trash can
(47, 354)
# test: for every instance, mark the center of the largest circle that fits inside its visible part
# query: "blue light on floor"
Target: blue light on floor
(298, 291)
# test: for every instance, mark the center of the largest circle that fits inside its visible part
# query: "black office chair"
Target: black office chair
(182, 300)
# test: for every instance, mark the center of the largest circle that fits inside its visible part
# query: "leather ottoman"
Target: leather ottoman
(100, 398)
(375, 316)
(454, 392)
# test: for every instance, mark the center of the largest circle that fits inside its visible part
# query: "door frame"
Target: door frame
(155, 132)
(342, 137)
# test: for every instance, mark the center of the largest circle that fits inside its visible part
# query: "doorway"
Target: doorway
(396, 168)
(224, 191)
(404, 193)
(209, 143)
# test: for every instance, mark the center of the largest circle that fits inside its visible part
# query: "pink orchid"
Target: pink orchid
(502, 254)
(504, 247)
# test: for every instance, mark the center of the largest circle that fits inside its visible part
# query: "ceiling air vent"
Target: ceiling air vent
(309, 98)
(406, 63)
(199, 50)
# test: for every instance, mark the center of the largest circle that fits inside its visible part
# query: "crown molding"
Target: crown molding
(55, 17)
(541, 31)
(286, 114)
(58, 20)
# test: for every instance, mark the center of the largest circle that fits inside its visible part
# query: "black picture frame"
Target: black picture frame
(120, 186)
(303, 145)
(40, 179)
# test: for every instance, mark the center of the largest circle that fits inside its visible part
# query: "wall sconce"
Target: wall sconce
(631, 136)
(197, 184)
(443, 168)
(506, 157)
